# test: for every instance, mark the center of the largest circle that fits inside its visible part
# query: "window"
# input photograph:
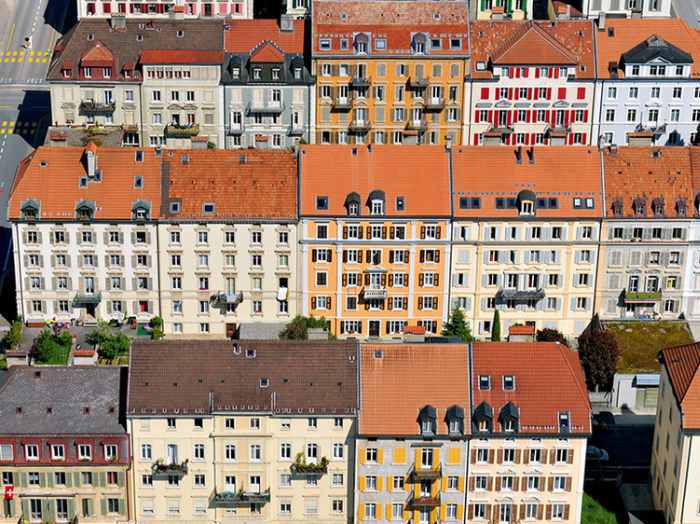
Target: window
(371, 455)
(230, 452)
(84, 452)
(31, 452)
(285, 451)
(255, 453)
(198, 452)
(484, 382)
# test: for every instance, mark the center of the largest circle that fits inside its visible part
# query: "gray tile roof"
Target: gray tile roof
(656, 47)
(67, 391)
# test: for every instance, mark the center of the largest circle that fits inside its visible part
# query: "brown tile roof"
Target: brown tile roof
(242, 36)
(395, 20)
(622, 35)
(182, 56)
(548, 380)
(247, 184)
(648, 174)
(560, 172)
(126, 45)
(338, 171)
(406, 378)
(190, 376)
(682, 364)
(564, 42)
(51, 177)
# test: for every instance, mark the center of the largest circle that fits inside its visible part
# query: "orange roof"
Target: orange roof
(492, 174)
(561, 42)
(399, 171)
(255, 184)
(242, 36)
(414, 330)
(97, 56)
(267, 52)
(548, 380)
(51, 177)
(622, 35)
(527, 329)
(172, 56)
(649, 174)
(682, 363)
(398, 380)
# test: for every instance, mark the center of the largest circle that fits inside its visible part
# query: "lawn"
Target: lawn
(3, 361)
(641, 341)
(594, 513)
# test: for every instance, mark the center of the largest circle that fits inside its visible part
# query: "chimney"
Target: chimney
(601, 22)
(91, 162)
(117, 22)
(519, 155)
(531, 155)
(448, 142)
(286, 23)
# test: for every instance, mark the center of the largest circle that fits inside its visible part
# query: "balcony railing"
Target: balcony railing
(181, 131)
(302, 469)
(162, 471)
(232, 499)
(416, 125)
(642, 297)
(419, 473)
(227, 298)
(434, 103)
(90, 106)
(360, 81)
(370, 293)
(235, 130)
(266, 106)
(360, 126)
(342, 103)
(520, 294)
(424, 501)
(87, 299)
(418, 82)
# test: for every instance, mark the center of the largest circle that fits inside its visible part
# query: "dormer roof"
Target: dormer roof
(98, 55)
(267, 51)
(518, 48)
(654, 48)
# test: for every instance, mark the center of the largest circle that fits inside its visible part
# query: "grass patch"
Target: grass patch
(641, 341)
(594, 513)
(3, 361)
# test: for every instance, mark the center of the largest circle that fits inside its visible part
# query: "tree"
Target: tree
(156, 324)
(551, 335)
(52, 348)
(496, 327)
(599, 354)
(14, 336)
(109, 344)
(298, 327)
(456, 326)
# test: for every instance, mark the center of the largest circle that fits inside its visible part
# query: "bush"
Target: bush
(457, 326)
(50, 348)
(551, 335)
(109, 344)
(298, 327)
(14, 336)
(156, 324)
(496, 327)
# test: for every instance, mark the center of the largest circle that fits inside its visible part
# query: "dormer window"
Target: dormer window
(140, 213)
(377, 207)
(681, 207)
(508, 426)
(508, 383)
(482, 419)
(657, 206)
(419, 44)
(30, 211)
(483, 425)
(427, 419)
(509, 418)
(322, 202)
(526, 208)
(352, 204)
(639, 206)
(236, 72)
(484, 382)
(455, 421)
(526, 203)
(361, 44)
(84, 212)
(564, 422)
(617, 207)
(353, 209)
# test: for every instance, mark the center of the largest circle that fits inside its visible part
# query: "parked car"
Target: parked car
(596, 454)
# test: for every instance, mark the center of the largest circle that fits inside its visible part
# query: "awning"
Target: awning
(646, 380)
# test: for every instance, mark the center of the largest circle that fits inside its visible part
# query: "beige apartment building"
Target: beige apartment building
(235, 434)
(674, 460)
(525, 236)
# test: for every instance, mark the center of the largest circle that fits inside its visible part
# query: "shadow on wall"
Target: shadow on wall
(8, 304)
(61, 14)
(34, 108)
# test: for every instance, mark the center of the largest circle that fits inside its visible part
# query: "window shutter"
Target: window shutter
(420, 303)
(437, 255)
(369, 232)
(330, 255)
(422, 256)
(313, 255)
(421, 279)
(359, 256)
(392, 232)
(383, 232)
(360, 232)
(391, 280)
(345, 279)
(407, 255)
(368, 255)
(313, 302)
(437, 279)
(345, 256)
(422, 232)
(329, 302)
(366, 279)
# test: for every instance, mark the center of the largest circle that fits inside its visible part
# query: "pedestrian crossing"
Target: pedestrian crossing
(13, 127)
(22, 56)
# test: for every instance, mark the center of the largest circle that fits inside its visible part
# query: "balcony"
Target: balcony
(360, 126)
(641, 297)
(87, 299)
(231, 499)
(235, 130)
(181, 131)
(295, 130)
(97, 108)
(520, 294)
(342, 103)
(225, 299)
(424, 501)
(416, 125)
(162, 471)
(301, 469)
(419, 473)
(374, 293)
(418, 82)
(270, 107)
(360, 81)
(434, 103)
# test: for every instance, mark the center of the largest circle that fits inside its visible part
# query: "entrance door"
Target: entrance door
(374, 328)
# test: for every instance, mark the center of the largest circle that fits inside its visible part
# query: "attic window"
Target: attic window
(639, 206)
(657, 206)
(380, 43)
(564, 423)
(324, 44)
(322, 202)
(455, 43)
(379, 354)
(527, 208)
(174, 207)
(185, 159)
(84, 213)
(508, 383)
(264, 382)
(138, 182)
(180, 33)
(139, 38)
(400, 203)
(83, 181)
(484, 382)
(617, 207)
(208, 207)
(469, 203)
(681, 207)
(250, 353)
(139, 156)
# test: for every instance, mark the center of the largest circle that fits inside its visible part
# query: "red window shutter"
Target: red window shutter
(571, 138)
(532, 138)
(537, 72)
(508, 140)
(517, 72)
(476, 139)
(498, 94)
(527, 139)
(585, 116)
(549, 93)
(528, 116)
(561, 94)
(583, 139)
(484, 93)
(526, 72)
(529, 93)
(516, 93)
(476, 116)
(581, 94)
(510, 93)
(556, 72)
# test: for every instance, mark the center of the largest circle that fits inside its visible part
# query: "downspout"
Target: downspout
(595, 83)
(687, 469)
(467, 77)
(160, 284)
(300, 298)
(467, 432)
(18, 272)
(600, 229)
(450, 222)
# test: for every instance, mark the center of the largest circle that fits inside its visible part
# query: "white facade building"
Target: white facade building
(626, 8)
(165, 8)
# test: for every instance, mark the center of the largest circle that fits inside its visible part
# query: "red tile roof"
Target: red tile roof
(267, 52)
(51, 176)
(560, 172)
(97, 56)
(338, 171)
(242, 36)
(548, 380)
(648, 173)
(682, 363)
(561, 42)
(527, 329)
(247, 184)
(165, 56)
(398, 380)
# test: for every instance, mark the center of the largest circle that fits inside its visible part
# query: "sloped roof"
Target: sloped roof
(656, 47)
(682, 363)
(518, 48)
(242, 36)
(437, 374)
(181, 56)
(267, 51)
(548, 380)
(98, 55)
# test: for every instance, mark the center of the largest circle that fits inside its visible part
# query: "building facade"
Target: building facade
(525, 243)
(530, 83)
(268, 87)
(389, 72)
(154, 9)
(374, 243)
(647, 85)
(674, 455)
(501, 9)
(626, 8)
(218, 447)
(64, 453)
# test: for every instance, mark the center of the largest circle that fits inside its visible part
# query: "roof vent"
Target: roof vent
(379, 354)
(250, 353)
(180, 33)
(354, 151)
(139, 38)
(236, 348)
(111, 409)
(86, 410)
(18, 410)
(531, 155)
(264, 382)
(49, 410)
(43, 163)
(185, 159)
(241, 159)
(519, 155)
(656, 153)
(90, 37)
(611, 32)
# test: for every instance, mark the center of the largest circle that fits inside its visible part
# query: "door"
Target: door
(374, 328)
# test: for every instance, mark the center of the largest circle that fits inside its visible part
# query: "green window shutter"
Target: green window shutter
(76, 478)
(69, 478)
(25, 508)
(71, 508)
(13, 508)
(22, 478)
(120, 479)
(48, 508)
(484, 5)
(509, 6)
(42, 480)
(121, 506)
(49, 479)
(90, 507)
(103, 506)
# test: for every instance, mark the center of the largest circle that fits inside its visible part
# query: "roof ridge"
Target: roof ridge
(261, 45)
(541, 32)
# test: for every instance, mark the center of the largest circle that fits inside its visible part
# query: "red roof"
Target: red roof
(527, 329)
(98, 56)
(414, 330)
(267, 52)
(242, 36)
(681, 363)
(548, 380)
(165, 56)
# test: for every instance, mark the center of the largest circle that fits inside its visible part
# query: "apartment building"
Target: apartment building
(162, 9)
(691, 281)
(268, 87)
(646, 233)
(389, 72)
(83, 235)
(626, 8)
(412, 441)
(64, 451)
(530, 421)
(501, 9)
(298, 8)
(674, 481)
(530, 83)
(525, 239)
(375, 237)
(97, 71)
(229, 432)
(227, 240)
(182, 98)
(647, 86)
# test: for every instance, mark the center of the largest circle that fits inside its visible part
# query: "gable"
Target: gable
(98, 55)
(535, 46)
(267, 52)
(656, 49)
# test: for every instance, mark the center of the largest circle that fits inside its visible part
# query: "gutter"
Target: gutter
(18, 272)
(600, 229)
(448, 276)
(685, 483)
